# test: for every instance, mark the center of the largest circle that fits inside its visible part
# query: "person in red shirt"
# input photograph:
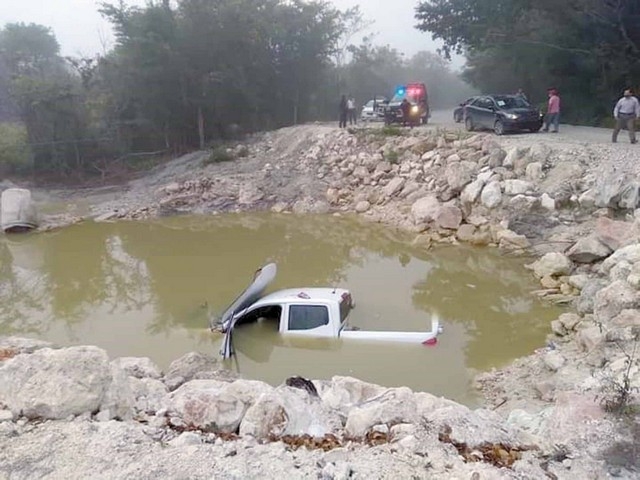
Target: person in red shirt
(553, 111)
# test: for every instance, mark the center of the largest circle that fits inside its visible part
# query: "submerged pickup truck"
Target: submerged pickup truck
(312, 312)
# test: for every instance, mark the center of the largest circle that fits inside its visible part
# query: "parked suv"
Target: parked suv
(502, 113)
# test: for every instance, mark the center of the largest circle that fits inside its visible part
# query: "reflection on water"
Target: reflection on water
(147, 288)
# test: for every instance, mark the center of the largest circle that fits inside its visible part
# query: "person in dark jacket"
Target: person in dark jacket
(344, 110)
(405, 106)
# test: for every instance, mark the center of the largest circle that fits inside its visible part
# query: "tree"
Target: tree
(590, 49)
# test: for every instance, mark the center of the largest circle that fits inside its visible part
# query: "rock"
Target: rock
(23, 345)
(517, 187)
(138, 367)
(458, 176)
(547, 202)
(539, 152)
(186, 439)
(472, 192)
(150, 395)
(394, 186)
(616, 234)
(55, 384)
(344, 393)
(186, 367)
(523, 203)
(362, 206)
(425, 210)
(214, 406)
(617, 190)
(552, 264)
(549, 282)
(509, 240)
(289, 411)
(558, 328)
(491, 195)
(249, 194)
(630, 254)
(533, 173)
(361, 172)
(397, 405)
(613, 299)
(587, 200)
(118, 401)
(554, 361)
(588, 250)
(512, 155)
(569, 321)
(465, 233)
(589, 338)
(626, 318)
(6, 416)
(578, 281)
(586, 301)
(448, 217)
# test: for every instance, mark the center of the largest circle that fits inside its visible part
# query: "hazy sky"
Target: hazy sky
(81, 30)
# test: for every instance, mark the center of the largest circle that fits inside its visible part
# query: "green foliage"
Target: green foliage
(218, 155)
(392, 156)
(616, 393)
(589, 50)
(14, 151)
(391, 131)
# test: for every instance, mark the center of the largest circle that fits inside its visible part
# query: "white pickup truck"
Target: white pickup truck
(313, 312)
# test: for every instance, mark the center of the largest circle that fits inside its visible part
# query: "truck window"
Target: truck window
(307, 317)
(268, 312)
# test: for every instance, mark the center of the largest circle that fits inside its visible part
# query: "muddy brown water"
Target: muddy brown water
(148, 288)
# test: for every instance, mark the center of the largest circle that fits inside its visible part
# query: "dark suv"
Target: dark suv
(502, 113)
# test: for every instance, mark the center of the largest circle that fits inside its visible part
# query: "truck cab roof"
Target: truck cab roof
(307, 295)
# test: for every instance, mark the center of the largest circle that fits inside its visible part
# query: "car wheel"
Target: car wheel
(457, 118)
(468, 124)
(498, 127)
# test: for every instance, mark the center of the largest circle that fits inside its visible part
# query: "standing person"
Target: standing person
(405, 106)
(625, 112)
(520, 94)
(351, 106)
(343, 111)
(553, 111)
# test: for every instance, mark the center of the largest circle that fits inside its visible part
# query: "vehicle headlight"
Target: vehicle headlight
(415, 109)
(512, 116)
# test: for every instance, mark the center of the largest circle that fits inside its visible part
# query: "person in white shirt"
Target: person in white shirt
(625, 112)
(351, 107)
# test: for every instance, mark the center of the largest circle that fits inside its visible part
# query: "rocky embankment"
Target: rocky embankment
(568, 411)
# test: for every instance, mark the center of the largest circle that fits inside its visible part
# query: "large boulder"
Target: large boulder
(588, 250)
(617, 190)
(119, 400)
(448, 217)
(629, 254)
(55, 384)
(472, 192)
(613, 299)
(187, 367)
(458, 175)
(551, 265)
(396, 405)
(344, 393)
(215, 406)
(491, 195)
(616, 234)
(585, 302)
(150, 395)
(394, 186)
(425, 210)
(289, 411)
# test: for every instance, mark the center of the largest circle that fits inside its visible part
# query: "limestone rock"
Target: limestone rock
(214, 406)
(344, 393)
(398, 405)
(630, 254)
(613, 299)
(533, 173)
(491, 195)
(615, 234)
(118, 400)
(552, 264)
(517, 187)
(150, 395)
(569, 321)
(472, 192)
(466, 233)
(186, 367)
(554, 360)
(363, 206)
(138, 367)
(589, 338)
(547, 202)
(588, 250)
(425, 209)
(394, 186)
(457, 176)
(289, 411)
(586, 301)
(54, 384)
(448, 217)
(510, 240)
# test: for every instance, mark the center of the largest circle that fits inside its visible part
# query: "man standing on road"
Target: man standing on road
(625, 112)
(351, 106)
(553, 111)
(343, 111)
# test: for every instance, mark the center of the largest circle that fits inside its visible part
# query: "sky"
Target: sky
(81, 31)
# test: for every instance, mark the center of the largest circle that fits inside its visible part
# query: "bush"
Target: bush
(392, 156)
(392, 131)
(218, 155)
(15, 155)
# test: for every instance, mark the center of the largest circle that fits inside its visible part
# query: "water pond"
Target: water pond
(148, 288)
